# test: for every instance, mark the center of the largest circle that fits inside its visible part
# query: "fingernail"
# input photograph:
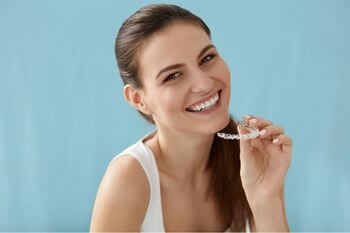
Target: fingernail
(252, 120)
(262, 132)
(275, 140)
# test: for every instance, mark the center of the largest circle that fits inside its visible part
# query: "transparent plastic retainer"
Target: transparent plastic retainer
(253, 133)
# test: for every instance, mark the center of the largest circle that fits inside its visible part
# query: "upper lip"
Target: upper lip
(204, 99)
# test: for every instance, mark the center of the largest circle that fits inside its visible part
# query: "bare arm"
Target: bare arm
(122, 199)
(270, 215)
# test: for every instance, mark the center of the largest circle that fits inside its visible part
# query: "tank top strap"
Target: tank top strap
(153, 220)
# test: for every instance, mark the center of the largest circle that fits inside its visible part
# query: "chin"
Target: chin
(222, 123)
(216, 126)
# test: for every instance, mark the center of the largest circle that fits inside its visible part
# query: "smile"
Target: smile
(207, 105)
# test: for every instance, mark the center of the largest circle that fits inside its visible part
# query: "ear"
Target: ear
(134, 98)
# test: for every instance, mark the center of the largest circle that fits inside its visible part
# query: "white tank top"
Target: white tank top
(153, 220)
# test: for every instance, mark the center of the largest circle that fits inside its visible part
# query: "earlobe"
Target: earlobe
(134, 98)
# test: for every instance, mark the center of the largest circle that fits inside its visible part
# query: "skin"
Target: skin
(183, 139)
(167, 101)
(264, 166)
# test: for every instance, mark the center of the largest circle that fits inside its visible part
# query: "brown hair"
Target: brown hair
(225, 182)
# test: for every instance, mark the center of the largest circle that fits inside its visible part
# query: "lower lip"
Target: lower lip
(217, 106)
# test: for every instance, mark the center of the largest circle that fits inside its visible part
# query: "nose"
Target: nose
(202, 82)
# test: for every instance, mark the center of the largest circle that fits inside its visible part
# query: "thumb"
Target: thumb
(243, 144)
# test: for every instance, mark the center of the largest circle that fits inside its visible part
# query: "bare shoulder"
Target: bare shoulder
(122, 198)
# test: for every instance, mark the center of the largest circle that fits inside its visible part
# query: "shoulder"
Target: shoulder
(124, 192)
(128, 167)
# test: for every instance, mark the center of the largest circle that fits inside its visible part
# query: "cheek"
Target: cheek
(224, 71)
(221, 71)
(170, 102)
(223, 74)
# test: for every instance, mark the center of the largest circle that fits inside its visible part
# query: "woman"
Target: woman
(182, 176)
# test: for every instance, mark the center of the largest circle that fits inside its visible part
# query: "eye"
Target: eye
(171, 76)
(205, 59)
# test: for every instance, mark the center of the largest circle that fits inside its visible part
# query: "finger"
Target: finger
(270, 131)
(284, 141)
(244, 130)
(255, 121)
(249, 144)
(243, 144)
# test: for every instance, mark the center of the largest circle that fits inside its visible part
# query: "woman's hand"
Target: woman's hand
(264, 164)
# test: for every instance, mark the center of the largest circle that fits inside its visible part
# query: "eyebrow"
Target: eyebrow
(206, 48)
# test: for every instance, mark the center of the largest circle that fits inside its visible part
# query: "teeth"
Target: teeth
(207, 104)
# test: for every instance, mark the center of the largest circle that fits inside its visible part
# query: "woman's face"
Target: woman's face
(196, 73)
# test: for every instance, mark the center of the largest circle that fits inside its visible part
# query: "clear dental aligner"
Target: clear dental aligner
(253, 133)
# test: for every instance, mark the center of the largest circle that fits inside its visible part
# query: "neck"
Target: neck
(183, 156)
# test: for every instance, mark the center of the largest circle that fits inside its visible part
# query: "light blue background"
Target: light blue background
(63, 116)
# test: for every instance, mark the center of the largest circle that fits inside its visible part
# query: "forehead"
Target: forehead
(178, 43)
